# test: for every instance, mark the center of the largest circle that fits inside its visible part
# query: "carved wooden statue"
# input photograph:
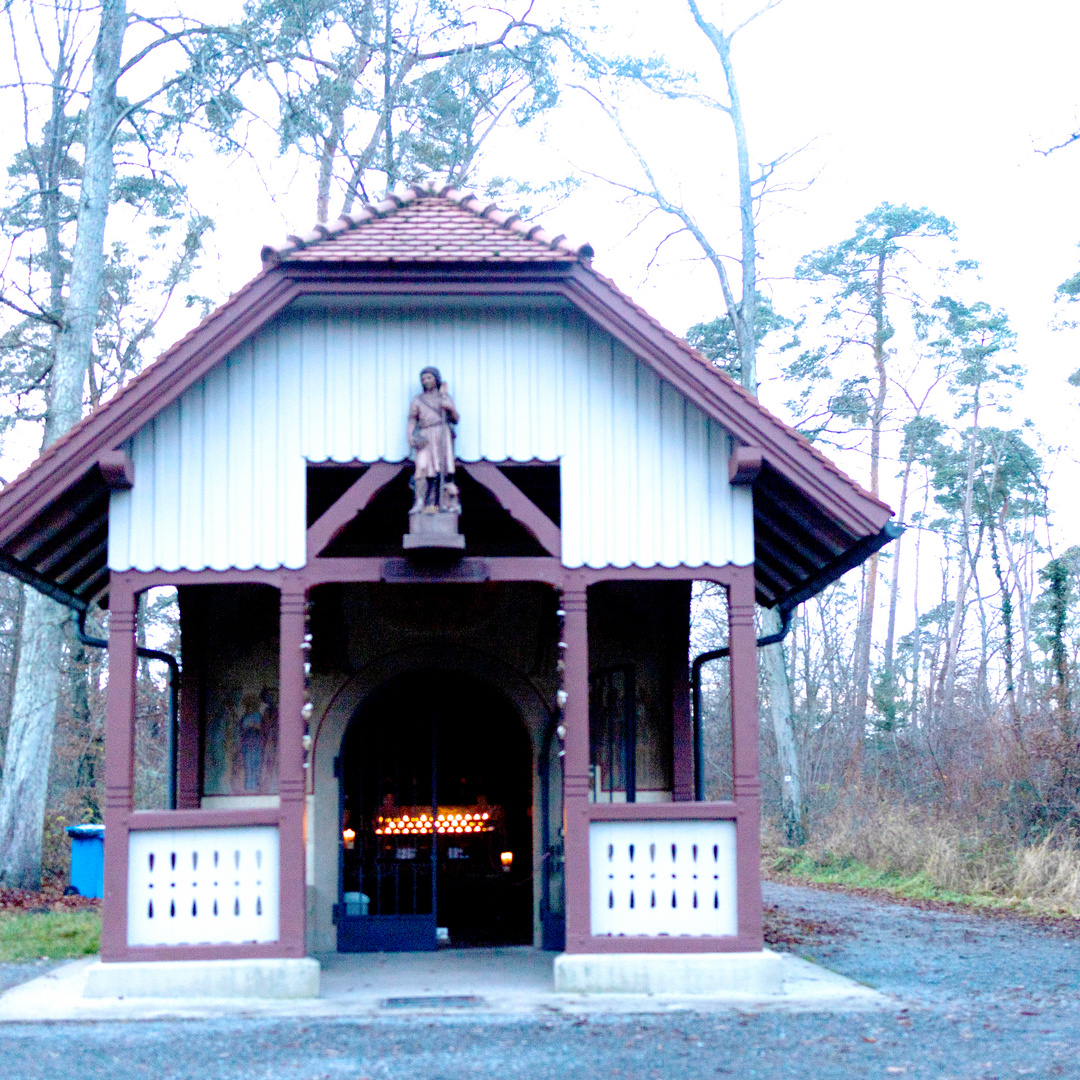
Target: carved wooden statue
(433, 519)
(431, 435)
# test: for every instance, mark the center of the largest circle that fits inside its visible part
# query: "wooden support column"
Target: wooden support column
(291, 778)
(682, 724)
(747, 783)
(188, 741)
(119, 754)
(576, 780)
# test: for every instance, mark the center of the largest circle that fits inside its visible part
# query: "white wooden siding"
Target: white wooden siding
(220, 473)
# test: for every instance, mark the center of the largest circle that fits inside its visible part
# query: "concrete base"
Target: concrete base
(759, 974)
(271, 979)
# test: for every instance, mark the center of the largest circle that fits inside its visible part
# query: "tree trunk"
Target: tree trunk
(791, 801)
(26, 758)
(29, 743)
(865, 633)
(746, 327)
(75, 341)
(947, 684)
(916, 632)
(894, 585)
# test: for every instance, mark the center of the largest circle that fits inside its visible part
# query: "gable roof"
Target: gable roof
(411, 226)
(812, 521)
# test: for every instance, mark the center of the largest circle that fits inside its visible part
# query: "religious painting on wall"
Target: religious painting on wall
(232, 643)
(241, 742)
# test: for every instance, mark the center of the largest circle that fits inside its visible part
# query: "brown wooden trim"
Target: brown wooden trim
(397, 569)
(143, 820)
(517, 504)
(576, 779)
(740, 414)
(744, 464)
(141, 580)
(192, 680)
(268, 294)
(117, 470)
(676, 653)
(161, 383)
(722, 575)
(334, 521)
(119, 753)
(323, 571)
(292, 775)
(268, 950)
(742, 639)
(672, 811)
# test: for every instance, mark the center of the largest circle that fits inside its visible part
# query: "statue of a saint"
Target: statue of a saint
(431, 435)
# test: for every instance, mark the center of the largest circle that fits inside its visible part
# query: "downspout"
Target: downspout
(174, 688)
(851, 558)
(695, 681)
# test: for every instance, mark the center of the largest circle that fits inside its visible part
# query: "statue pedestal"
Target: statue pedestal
(439, 530)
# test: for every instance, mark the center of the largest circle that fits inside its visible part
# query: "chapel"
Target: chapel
(436, 498)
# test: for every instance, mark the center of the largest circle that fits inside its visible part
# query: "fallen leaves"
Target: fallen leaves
(782, 929)
(51, 898)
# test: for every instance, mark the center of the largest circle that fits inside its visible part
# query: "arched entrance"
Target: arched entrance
(436, 807)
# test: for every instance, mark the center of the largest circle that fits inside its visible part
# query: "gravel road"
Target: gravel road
(975, 999)
(13, 974)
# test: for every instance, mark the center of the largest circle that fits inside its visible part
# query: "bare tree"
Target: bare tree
(743, 327)
(57, 339)
(29, 744)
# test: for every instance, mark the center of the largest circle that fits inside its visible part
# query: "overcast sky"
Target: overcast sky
(942, 103)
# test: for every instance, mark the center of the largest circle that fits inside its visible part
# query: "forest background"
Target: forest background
(910, 188)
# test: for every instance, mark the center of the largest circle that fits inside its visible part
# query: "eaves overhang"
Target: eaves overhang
(808, 514)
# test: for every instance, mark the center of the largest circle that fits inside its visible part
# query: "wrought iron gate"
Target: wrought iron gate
(388, 852)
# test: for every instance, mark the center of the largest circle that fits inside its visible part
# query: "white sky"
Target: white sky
(931, 102)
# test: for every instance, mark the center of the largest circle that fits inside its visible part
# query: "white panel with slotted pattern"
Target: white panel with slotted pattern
(203, 886)
(663, 877)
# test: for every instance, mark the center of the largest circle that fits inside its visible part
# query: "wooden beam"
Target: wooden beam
(334, 521)
(67, 545)
(744, 464)
(517, 504)
(72, 574)
(117, 470)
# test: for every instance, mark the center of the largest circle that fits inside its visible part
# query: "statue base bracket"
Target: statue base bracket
(438, 530)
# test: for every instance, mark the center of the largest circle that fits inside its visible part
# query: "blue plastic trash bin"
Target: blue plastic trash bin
(87, 858)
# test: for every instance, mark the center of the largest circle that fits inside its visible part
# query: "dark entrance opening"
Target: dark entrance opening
(436, 818)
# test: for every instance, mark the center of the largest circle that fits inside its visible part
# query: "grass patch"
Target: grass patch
(56, 935)
(845, 870)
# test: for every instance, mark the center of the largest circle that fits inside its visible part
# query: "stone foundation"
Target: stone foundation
(272, 979)
(757, 974)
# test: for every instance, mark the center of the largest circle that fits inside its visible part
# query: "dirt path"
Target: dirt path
(932, 957)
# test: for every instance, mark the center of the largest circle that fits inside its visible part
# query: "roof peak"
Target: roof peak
(524, 241)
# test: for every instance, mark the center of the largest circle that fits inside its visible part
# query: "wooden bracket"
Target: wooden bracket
(117, 470)
(334, 521)
(744, 465)
(517, 504)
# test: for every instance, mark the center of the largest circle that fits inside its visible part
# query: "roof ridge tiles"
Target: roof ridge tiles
(457, 244)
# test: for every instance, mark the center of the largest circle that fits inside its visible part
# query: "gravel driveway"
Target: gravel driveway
(977, 998)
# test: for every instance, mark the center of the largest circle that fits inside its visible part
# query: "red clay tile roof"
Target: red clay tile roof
(426, 224)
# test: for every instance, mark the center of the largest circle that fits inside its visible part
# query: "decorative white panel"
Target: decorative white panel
(203, 886)
(663, 877)
(220, 474)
